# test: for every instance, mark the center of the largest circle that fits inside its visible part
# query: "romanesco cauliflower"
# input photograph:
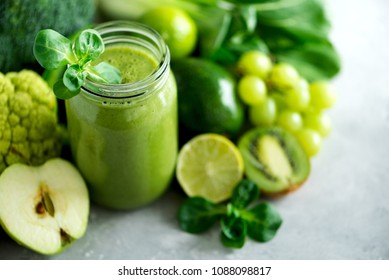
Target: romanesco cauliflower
(29, 131)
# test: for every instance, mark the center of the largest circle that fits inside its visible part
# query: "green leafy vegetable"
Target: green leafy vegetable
(293, 31)
(246, 193)
(53, 51)
(263, 222)
(297, 32)
(260, 222)
(198, 214)
(234, 231)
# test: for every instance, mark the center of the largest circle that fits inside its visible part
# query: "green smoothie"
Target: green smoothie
(126, 147)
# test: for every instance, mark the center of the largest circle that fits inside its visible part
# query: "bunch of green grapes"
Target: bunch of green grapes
(276, 94)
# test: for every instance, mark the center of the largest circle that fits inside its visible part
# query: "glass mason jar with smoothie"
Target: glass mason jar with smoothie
(124, 136)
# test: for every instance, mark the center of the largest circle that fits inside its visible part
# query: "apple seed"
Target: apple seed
(45, 203)
(65, 237)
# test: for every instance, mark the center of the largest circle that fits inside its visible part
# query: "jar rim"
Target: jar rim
(143, 86)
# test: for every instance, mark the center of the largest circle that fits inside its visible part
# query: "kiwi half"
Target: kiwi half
(274, 160)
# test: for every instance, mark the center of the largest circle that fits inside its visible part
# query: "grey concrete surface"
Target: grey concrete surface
(342, 212)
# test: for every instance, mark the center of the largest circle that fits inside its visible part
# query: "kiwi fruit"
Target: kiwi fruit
(274, 160)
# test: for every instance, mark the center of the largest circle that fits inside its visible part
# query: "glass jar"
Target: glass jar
(124, 137)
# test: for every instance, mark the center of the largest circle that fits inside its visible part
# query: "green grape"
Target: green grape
(310, 140)
(280, 101)
(255, 63)
(290, 120)
(252, 90)
(298, 97)
(264, 114)
(303, 84)
(318, 121)
(322, 95)
(284, 76)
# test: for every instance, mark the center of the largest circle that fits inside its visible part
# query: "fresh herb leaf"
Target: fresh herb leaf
(234, 231)
(263, 222)
(52, 50)
(197, 214)
(244, 193)
(74, 77)
(62, 92)
(88, 46)
(104, 73)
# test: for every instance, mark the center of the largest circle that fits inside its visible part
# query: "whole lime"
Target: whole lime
(176, 27)
(207, 101)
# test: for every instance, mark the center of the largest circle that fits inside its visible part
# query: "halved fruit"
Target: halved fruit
(274, 160)
(210, 166)
(44, 208)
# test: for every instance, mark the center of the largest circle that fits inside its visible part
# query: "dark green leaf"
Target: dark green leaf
(234, 231)
(213, 29)
(52, 50)
(197, 214)
(232, 50)
(243, 19)
(306, 15)
(62, 92)
(263, 222)
(74, 77)
(88, 46)
(244, 193)
(298, 32)
(314, 61)
(104, 73)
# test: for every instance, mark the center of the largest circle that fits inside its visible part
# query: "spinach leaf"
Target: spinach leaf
(197, 214)
(293, 31)
(315, 61)
(212, 38)
(297, 32)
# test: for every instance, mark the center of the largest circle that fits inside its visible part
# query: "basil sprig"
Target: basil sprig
(237, 219)
(52, 50)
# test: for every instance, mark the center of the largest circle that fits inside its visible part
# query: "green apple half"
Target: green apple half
(44, 208)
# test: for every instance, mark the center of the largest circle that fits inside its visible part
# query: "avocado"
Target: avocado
(207, 101)
(274, 160)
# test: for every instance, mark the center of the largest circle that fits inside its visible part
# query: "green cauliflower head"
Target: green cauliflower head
(29, 130)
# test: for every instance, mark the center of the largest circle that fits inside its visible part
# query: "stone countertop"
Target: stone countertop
(342, 212)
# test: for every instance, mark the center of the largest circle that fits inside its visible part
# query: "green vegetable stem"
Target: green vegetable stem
(237, 219)
(52, 50)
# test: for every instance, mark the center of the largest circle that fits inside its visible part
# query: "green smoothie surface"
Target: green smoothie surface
(134, 64)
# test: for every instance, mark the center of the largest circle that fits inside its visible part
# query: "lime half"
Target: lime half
(210, 166)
